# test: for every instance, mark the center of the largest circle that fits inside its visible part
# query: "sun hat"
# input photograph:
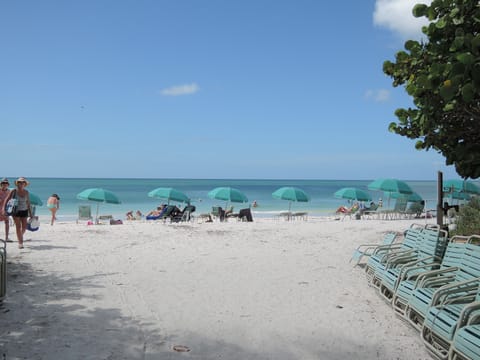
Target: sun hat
(4, 180)
(22, 179)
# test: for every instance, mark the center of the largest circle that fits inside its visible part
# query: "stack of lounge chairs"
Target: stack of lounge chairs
(433, 283)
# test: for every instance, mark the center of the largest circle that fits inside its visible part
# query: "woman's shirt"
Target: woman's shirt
(22, 204)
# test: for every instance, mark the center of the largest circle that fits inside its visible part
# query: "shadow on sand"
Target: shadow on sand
(42, 318)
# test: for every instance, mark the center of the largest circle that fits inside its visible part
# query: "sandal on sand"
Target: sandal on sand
(20, 246)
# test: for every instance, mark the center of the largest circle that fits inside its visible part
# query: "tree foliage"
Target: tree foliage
(468, 219)
(442, 74)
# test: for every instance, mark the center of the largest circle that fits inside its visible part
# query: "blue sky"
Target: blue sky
(205, 89)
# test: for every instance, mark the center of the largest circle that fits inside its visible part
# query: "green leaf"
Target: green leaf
(476, 74)
(388, 67)
(466, 58)
(419, 145)
(449, 106)
(411, 45)
(458, 21)
(457, 69)
(475, 43)
(419, 10)
(392, 127)
(468, 92)
(447, 92)
(459, 41)
(441, 24)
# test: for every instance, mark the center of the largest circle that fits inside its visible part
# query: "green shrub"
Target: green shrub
(468, 219)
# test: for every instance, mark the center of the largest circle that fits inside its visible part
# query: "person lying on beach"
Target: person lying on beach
(346, 210)
(156, 212)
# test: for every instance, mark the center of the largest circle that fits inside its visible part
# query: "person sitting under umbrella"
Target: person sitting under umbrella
(156, 213)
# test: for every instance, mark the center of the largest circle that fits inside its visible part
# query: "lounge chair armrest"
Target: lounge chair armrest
(394, 254)
(406, 274)
(387, 247)
(401, 258)
(465, 315)
(454, 289)
(433, 273)
(437, 282)
(364, 248)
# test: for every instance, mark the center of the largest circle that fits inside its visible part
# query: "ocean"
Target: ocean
(133, 194)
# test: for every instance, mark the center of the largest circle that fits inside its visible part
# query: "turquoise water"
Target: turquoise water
(133, 194)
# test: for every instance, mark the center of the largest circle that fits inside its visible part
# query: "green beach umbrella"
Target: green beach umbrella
(460, 195)
(99, 195)
(391, 186)
(169, 194)
(291, 194)
(228, 194)
(35, 199)
(352, 194)
(458, 185)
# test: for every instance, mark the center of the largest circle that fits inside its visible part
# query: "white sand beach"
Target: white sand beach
(263, 290)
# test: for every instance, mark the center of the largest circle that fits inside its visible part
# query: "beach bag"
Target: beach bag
(11, 205)
(33, 224)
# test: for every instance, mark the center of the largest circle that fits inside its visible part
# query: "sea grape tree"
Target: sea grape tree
(442, 75)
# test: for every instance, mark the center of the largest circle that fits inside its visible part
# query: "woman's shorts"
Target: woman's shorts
(21, 214)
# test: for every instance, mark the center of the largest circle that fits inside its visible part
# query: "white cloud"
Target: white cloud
(179, 90)
(380, 95)
(396, 15)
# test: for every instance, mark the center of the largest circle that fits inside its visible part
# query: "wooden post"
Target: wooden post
(440, 199)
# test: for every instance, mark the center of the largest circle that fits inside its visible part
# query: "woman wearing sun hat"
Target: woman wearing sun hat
(24, 210)
(4, 191)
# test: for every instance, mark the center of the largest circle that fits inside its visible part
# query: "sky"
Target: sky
(254, 89)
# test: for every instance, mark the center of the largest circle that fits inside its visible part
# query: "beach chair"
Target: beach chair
(185, 215)
(300, 215)
(466, 342)
(366, 250)
(443, 319)
(427, 256)
(3, 269)
(398, 211)
(383, 253)
(169, 213)
(371, 212)
(107, 218)
(286, 215)
(245, 215)
(218, 213)
(412, 278)
(460, 280)
(84, 213)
